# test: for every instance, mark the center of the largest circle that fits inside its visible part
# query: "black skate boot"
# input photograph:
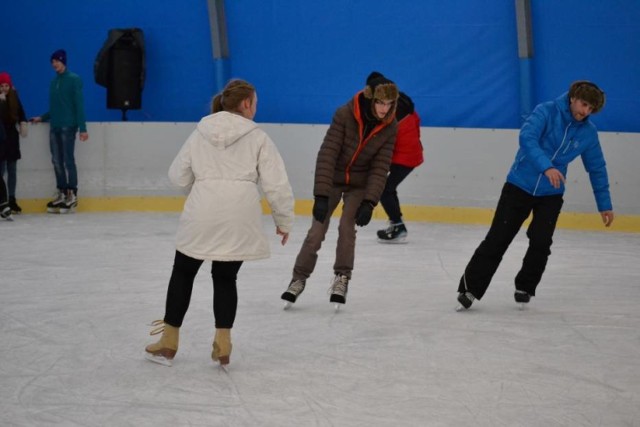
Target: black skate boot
(13, 204)
(394, 233)
(338, 290)
(465, 299)
(70, 203)
(293, 291)
(5, 211)
(521, 298)
(54, 205)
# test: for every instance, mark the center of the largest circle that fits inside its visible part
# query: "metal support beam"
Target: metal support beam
(525, 53)
(219, 41)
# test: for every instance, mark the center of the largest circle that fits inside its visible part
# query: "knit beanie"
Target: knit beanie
(59, 55)
(374, 75)
(5, 78)
(588, 92)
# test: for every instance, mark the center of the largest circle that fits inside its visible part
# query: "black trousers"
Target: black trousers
(514, 207)
(389, 198)
(225, 293)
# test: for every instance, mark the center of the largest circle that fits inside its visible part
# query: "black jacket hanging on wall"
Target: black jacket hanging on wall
(120, 67)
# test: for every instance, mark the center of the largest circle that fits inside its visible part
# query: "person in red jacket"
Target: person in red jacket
(407, 155)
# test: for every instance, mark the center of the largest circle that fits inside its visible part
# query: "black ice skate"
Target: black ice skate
(58, 201)
(465, 299)
(293, 291)
(338, 290)
(5, 211)
(521, 298)
(394, 233)
(13, 204)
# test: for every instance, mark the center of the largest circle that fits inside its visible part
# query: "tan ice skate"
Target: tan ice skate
(222, 346)
(164, 350)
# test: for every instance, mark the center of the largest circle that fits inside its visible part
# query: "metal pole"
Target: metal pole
(525, 53)
(219, 41)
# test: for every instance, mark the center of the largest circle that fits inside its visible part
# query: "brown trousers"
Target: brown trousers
(346, 247)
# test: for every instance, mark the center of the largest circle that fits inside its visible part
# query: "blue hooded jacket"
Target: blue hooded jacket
(551, 137)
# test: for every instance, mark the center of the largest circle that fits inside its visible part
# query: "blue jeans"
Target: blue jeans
(10, 167)
(62, 142)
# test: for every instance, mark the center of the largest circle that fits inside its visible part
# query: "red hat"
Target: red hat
(5, 78)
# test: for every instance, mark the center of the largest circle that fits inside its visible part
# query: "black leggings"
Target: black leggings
(225, 293)
(389, 198)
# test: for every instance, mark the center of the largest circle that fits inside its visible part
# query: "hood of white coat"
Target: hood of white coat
(224, 129)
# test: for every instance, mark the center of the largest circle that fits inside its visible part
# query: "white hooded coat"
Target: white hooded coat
(222, 163)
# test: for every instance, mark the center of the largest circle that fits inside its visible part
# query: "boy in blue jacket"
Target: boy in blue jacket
(66, 117)
(555, 134)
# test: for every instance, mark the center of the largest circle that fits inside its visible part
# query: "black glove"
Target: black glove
(320, 208)
(364, 212)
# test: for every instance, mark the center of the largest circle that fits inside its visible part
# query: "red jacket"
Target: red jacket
(408, 148)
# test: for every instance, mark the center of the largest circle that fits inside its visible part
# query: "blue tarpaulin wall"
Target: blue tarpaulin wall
(457, 59)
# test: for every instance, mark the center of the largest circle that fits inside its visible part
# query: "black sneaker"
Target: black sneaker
(13, 204)
(522, 297)
(394, 233)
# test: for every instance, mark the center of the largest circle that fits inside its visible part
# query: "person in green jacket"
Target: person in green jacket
(66, 115)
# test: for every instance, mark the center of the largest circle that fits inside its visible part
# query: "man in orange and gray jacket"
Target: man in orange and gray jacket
(352, 166)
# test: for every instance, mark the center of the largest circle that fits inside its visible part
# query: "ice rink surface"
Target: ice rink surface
(77, 293)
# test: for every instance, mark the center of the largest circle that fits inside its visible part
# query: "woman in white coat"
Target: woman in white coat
(223, 165)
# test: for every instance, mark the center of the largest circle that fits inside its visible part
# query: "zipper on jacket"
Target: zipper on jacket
(361, 143)
(554, 156)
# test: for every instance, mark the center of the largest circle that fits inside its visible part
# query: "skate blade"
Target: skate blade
(161, 360)
(287, 305)
(336, 306)
(398, 241)
(461, 307)
(8, 218)
(53, 210)
(522, 306)
(67, 211)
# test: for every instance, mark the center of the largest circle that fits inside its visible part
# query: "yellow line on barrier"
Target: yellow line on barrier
(442, 214)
